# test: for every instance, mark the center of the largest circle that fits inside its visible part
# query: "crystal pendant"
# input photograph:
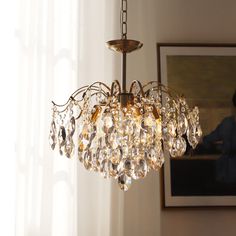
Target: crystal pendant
(140, 169)
(168, 141)
(155, 157)
(158, 129)
(136, 133)
(160, 159)
(115, 156)
(171, 128)
(157, 163)
(182, 124)
(191, 135)
(143, 136)
(95, 161)
(127, 127)
(104, 169)
(107, 122)
(87, 160)
(178, 148)
(113, 169)
(80, 156)
(149, 120)
(71, 126)
(69, 146)
(61, 138)
(198, 132)
(84, 138)
(125, 148)
(52, 136)
(113, 140)
(102, 155)
(127, 166)
(124, 182)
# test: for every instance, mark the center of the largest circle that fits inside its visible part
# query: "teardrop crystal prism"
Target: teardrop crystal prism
(171, 128)
(113, 169)
(113, 140)
(127, 166)
(191, 135)
(104, 168)
(62, 136)
(52, 135)
(149, 120)
(198, 132)
(71, 126)
(87, 160)
(85, 137)
(69, 146)
(124, 182)
(178, 148)
(140, 169)
(108, 123)
(115, 156)
(61, 139)
(155, 158)
(182, 124)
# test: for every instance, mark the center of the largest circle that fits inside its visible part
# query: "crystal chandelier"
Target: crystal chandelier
(123, 134)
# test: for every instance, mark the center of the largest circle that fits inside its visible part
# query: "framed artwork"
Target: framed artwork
(206, 75)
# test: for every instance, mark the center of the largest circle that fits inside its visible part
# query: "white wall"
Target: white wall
(151, 21)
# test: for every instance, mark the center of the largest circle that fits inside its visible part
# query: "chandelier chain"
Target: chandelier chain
(123, 19)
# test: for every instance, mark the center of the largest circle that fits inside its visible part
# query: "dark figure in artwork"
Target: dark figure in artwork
(224, 138)
(215, 173)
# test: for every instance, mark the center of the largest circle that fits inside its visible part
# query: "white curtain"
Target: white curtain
(61, 47)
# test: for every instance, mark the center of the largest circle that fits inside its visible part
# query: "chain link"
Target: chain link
(123, 19)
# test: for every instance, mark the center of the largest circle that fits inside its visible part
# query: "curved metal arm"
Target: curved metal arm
(116, 82)
(83, 90)
(139, 84)
(161, 87)
(70, 98)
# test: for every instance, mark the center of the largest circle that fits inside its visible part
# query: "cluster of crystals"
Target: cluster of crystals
(179, 123)
(126, 142)
(62, 131)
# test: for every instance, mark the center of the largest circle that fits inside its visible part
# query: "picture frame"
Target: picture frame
(206, 75)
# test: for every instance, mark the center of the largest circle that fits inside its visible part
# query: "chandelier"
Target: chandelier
(123, 133)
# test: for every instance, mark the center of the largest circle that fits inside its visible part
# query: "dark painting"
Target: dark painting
(206, 75)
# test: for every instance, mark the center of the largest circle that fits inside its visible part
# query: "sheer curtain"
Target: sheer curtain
(61, 47)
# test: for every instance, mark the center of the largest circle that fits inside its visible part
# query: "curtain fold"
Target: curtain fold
(61, 47)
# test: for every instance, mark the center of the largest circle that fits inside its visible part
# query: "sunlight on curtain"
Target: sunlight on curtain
(61, 48)
(8, 48)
